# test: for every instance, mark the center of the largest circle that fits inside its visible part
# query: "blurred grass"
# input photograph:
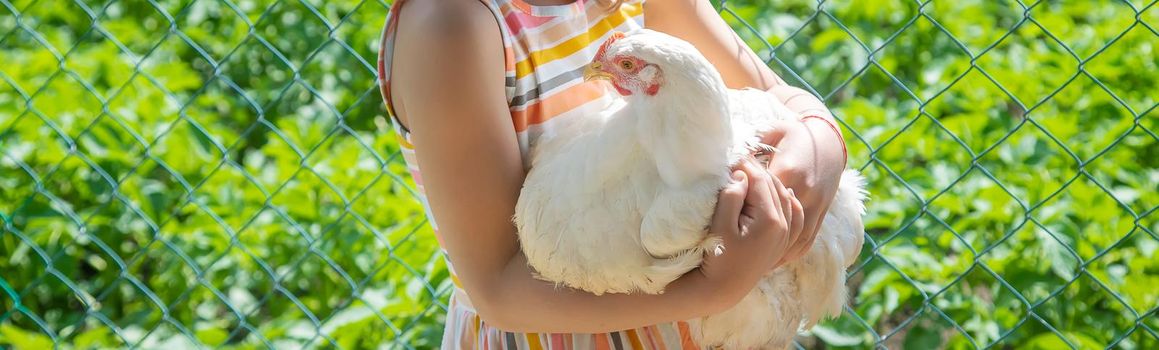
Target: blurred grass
(221, 173)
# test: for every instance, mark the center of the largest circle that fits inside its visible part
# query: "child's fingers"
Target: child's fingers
(805, 235)
(760, 197)
(783, 198)
(729, 203)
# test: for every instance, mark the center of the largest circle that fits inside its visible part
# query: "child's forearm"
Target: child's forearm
(517, 302)
(801, 101)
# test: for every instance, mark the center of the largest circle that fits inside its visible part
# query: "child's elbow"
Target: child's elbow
(498, 309)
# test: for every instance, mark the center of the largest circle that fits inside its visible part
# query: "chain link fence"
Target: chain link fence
(203, 173)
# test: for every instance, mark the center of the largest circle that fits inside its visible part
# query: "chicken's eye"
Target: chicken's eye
(627, 64)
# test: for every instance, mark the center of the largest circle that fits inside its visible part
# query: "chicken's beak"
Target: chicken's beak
(594, 71)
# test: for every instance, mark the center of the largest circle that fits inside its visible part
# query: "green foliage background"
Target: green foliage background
(198, 173)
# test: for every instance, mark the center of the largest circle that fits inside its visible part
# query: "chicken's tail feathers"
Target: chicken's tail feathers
(852, 190)
(820, 278)
(821, 274)
(845, 215)
(824, 297)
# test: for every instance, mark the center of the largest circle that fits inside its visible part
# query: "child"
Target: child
(472, 83)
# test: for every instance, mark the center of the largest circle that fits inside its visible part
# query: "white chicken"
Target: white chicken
(620, 202)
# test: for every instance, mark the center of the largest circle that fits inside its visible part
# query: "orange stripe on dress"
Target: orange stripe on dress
(634, 339)
(533, 342)
(522, 6)
(543, 110)
(403, 142)
(509, 58)
(602, 342)
(686, 336)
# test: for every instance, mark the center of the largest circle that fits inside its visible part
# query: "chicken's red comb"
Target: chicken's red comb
(604, 48)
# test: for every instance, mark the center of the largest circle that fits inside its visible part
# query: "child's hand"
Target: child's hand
(757, 219)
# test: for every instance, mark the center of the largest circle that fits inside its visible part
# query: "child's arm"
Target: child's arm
(448, 85)
(697, 22)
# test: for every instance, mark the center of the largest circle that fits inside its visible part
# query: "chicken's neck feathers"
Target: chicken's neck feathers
(685, 127)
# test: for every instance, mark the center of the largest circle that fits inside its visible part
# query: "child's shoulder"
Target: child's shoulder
(447, 19)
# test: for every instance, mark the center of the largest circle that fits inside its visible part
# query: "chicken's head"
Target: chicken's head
(645, 62)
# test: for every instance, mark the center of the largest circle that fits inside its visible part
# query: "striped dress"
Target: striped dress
(546, 48)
